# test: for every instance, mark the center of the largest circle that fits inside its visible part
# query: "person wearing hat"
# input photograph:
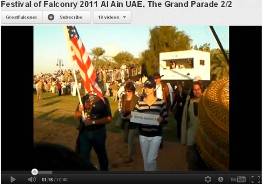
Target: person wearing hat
(162, 92)
(92, 130)
(150, 136)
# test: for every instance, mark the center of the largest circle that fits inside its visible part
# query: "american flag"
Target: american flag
(81, 57)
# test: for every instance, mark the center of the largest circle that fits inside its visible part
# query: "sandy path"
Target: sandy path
(171, 157)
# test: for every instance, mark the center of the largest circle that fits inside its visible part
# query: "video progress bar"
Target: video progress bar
(136, 178)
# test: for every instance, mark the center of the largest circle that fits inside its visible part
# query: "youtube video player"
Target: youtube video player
(131, 91)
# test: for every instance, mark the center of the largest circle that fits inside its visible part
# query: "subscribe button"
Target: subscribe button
(84, 17)
(61, 17)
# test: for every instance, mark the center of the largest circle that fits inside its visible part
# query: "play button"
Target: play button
(12, 179)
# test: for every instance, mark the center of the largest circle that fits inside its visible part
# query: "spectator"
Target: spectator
(127, 103)
(58, 84)
(162, 92)
(139, 88)
(114, 88)
(63, 88)
(190, 123)
(39, 89)
(179, 101)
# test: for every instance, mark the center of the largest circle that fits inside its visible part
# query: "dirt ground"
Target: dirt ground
(171, 157)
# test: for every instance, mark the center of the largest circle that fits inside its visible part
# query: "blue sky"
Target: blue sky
(50, 42)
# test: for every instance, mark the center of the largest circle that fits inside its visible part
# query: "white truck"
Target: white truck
(185, 65)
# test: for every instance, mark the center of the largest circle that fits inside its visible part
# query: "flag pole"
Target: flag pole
(78, 92)
(73, 70)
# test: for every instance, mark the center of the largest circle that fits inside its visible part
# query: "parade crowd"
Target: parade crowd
(149, 95)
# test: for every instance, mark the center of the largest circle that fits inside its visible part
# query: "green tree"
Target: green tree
(97, 52)
(163, 39)
(136, 61)
(124, 58)
(100, 63)
(151, 67)
(205, 47)
(168, 38)
(195, 47)
(219, 66)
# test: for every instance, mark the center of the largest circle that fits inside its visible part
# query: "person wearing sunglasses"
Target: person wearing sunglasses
(150, 136)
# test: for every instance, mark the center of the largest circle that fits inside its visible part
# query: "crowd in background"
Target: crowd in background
(62, 81)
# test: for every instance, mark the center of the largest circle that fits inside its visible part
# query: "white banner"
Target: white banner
(144, 118)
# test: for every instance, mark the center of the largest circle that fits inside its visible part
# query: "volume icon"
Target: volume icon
(32, 179)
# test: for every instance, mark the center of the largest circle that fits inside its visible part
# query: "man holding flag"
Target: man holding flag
(94, 109)
(92, 131)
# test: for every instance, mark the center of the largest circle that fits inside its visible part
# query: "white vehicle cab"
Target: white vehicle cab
(185, 65)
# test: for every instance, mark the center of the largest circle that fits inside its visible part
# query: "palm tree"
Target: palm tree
(219, 66)
(97, 52)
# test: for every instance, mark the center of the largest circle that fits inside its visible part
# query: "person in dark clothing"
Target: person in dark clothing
(127, 103)
(162, 92)
(92, 130)
(179, 101)
(59, 87)
(49, 156)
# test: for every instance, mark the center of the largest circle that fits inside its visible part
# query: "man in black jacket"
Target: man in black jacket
(178, 102)
(92, 128)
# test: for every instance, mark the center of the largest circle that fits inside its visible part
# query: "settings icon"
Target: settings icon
(207, 179)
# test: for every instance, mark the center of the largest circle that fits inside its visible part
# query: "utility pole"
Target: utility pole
(60, 64)
(219, 43)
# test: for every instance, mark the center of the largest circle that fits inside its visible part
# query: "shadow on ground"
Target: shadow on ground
(51, 103)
